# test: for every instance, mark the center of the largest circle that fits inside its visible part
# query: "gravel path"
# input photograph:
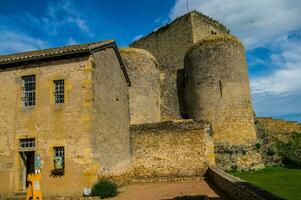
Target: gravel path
(168, 190)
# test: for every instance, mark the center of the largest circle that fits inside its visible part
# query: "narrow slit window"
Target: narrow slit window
(59, 92)
(29, 90)
(59, 158)
(220, 88)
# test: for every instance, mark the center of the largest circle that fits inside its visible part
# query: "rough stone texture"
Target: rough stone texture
(144, 93)
(217, 88)
(90, 90)
(110, 132)
(270, 130)
(169, 45)
(49, 124)
(171, 150)
(238, 157)
(237, 188)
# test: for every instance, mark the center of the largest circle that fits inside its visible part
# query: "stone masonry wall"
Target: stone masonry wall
(169, 45)
(144, 93)
(217, 89)
(51, 125)
(270, 130)
(111, 117)
(171, 150)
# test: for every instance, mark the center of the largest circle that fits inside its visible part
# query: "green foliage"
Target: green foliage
(257, 145)
(104, 189)
(283, 182)
(290, 151)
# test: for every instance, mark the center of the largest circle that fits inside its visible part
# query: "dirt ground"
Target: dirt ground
(168, 191)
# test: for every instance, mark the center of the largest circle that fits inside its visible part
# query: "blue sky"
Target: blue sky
(270, 30)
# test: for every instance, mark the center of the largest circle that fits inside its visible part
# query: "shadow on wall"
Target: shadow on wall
(181, 83)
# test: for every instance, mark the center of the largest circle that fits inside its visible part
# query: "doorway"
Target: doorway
(27, 167)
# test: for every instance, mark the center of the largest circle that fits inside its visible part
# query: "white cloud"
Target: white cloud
(72, 41)
(11, 42)
(256, 22)
(137, 37)
(279, 93)
(57, 16)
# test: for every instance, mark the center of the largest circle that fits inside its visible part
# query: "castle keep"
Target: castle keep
(168, 107)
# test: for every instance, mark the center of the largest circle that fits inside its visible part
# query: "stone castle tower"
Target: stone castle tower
(203, 76)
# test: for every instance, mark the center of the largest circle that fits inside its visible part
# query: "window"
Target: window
(59, 91)
(59, 158)
(28, 142)
(213, 32)
(29, 90)
(220, 88)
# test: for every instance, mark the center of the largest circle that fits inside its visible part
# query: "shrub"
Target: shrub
(104, 189)
(290, 151)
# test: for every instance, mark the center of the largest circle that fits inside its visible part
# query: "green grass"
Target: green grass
(283, 182)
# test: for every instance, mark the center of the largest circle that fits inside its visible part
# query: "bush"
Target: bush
(290, 151)
(104, 189)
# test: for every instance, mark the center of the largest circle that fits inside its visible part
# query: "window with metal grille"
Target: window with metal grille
(59, 157)
(59, 91)
(28, 142)
(29, 90)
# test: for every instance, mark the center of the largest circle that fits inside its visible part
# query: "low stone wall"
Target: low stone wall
(270, 130)
(237, 188)
(231, 157)
(171, 150)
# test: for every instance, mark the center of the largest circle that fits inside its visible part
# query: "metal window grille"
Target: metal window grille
(29, 90)
(59, 152)
(28, 142)
(59, 90)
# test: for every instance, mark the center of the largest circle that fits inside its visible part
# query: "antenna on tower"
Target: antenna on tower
(187, 4)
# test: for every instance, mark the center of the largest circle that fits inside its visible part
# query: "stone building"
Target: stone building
(167, 108)
(68, 103)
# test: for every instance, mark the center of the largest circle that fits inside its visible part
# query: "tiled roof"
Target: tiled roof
(52, 52)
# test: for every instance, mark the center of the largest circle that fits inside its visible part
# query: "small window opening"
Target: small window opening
(27, 143)
(29, 90)
(59, 91)
(213, 32)
(220, 88)
(59, 160)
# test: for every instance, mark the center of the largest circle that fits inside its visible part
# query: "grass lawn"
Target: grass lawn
(283, 182)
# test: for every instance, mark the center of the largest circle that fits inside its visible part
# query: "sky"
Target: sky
(270, 30)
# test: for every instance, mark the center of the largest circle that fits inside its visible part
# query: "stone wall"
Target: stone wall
(217, 88)
(270, 130)
(237, 188)
(51, 125)
(239, 157)
(92, 125)
(144, 93)
(169, 45)
(171, 150)
(110, 131)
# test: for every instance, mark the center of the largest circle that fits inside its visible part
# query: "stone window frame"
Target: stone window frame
(59, 151)
(29, 91)
(59, 91)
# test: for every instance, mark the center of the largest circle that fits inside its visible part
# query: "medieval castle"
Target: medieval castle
(170, 106)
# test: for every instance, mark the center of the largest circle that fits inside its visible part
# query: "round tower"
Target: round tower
(217, 88)
(144, 93)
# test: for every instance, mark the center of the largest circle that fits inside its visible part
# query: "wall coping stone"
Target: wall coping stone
(237, 188)
(179, 125)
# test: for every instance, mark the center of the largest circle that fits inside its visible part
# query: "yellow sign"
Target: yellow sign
(34, 190)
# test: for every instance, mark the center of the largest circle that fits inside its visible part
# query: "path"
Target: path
(168, 191)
